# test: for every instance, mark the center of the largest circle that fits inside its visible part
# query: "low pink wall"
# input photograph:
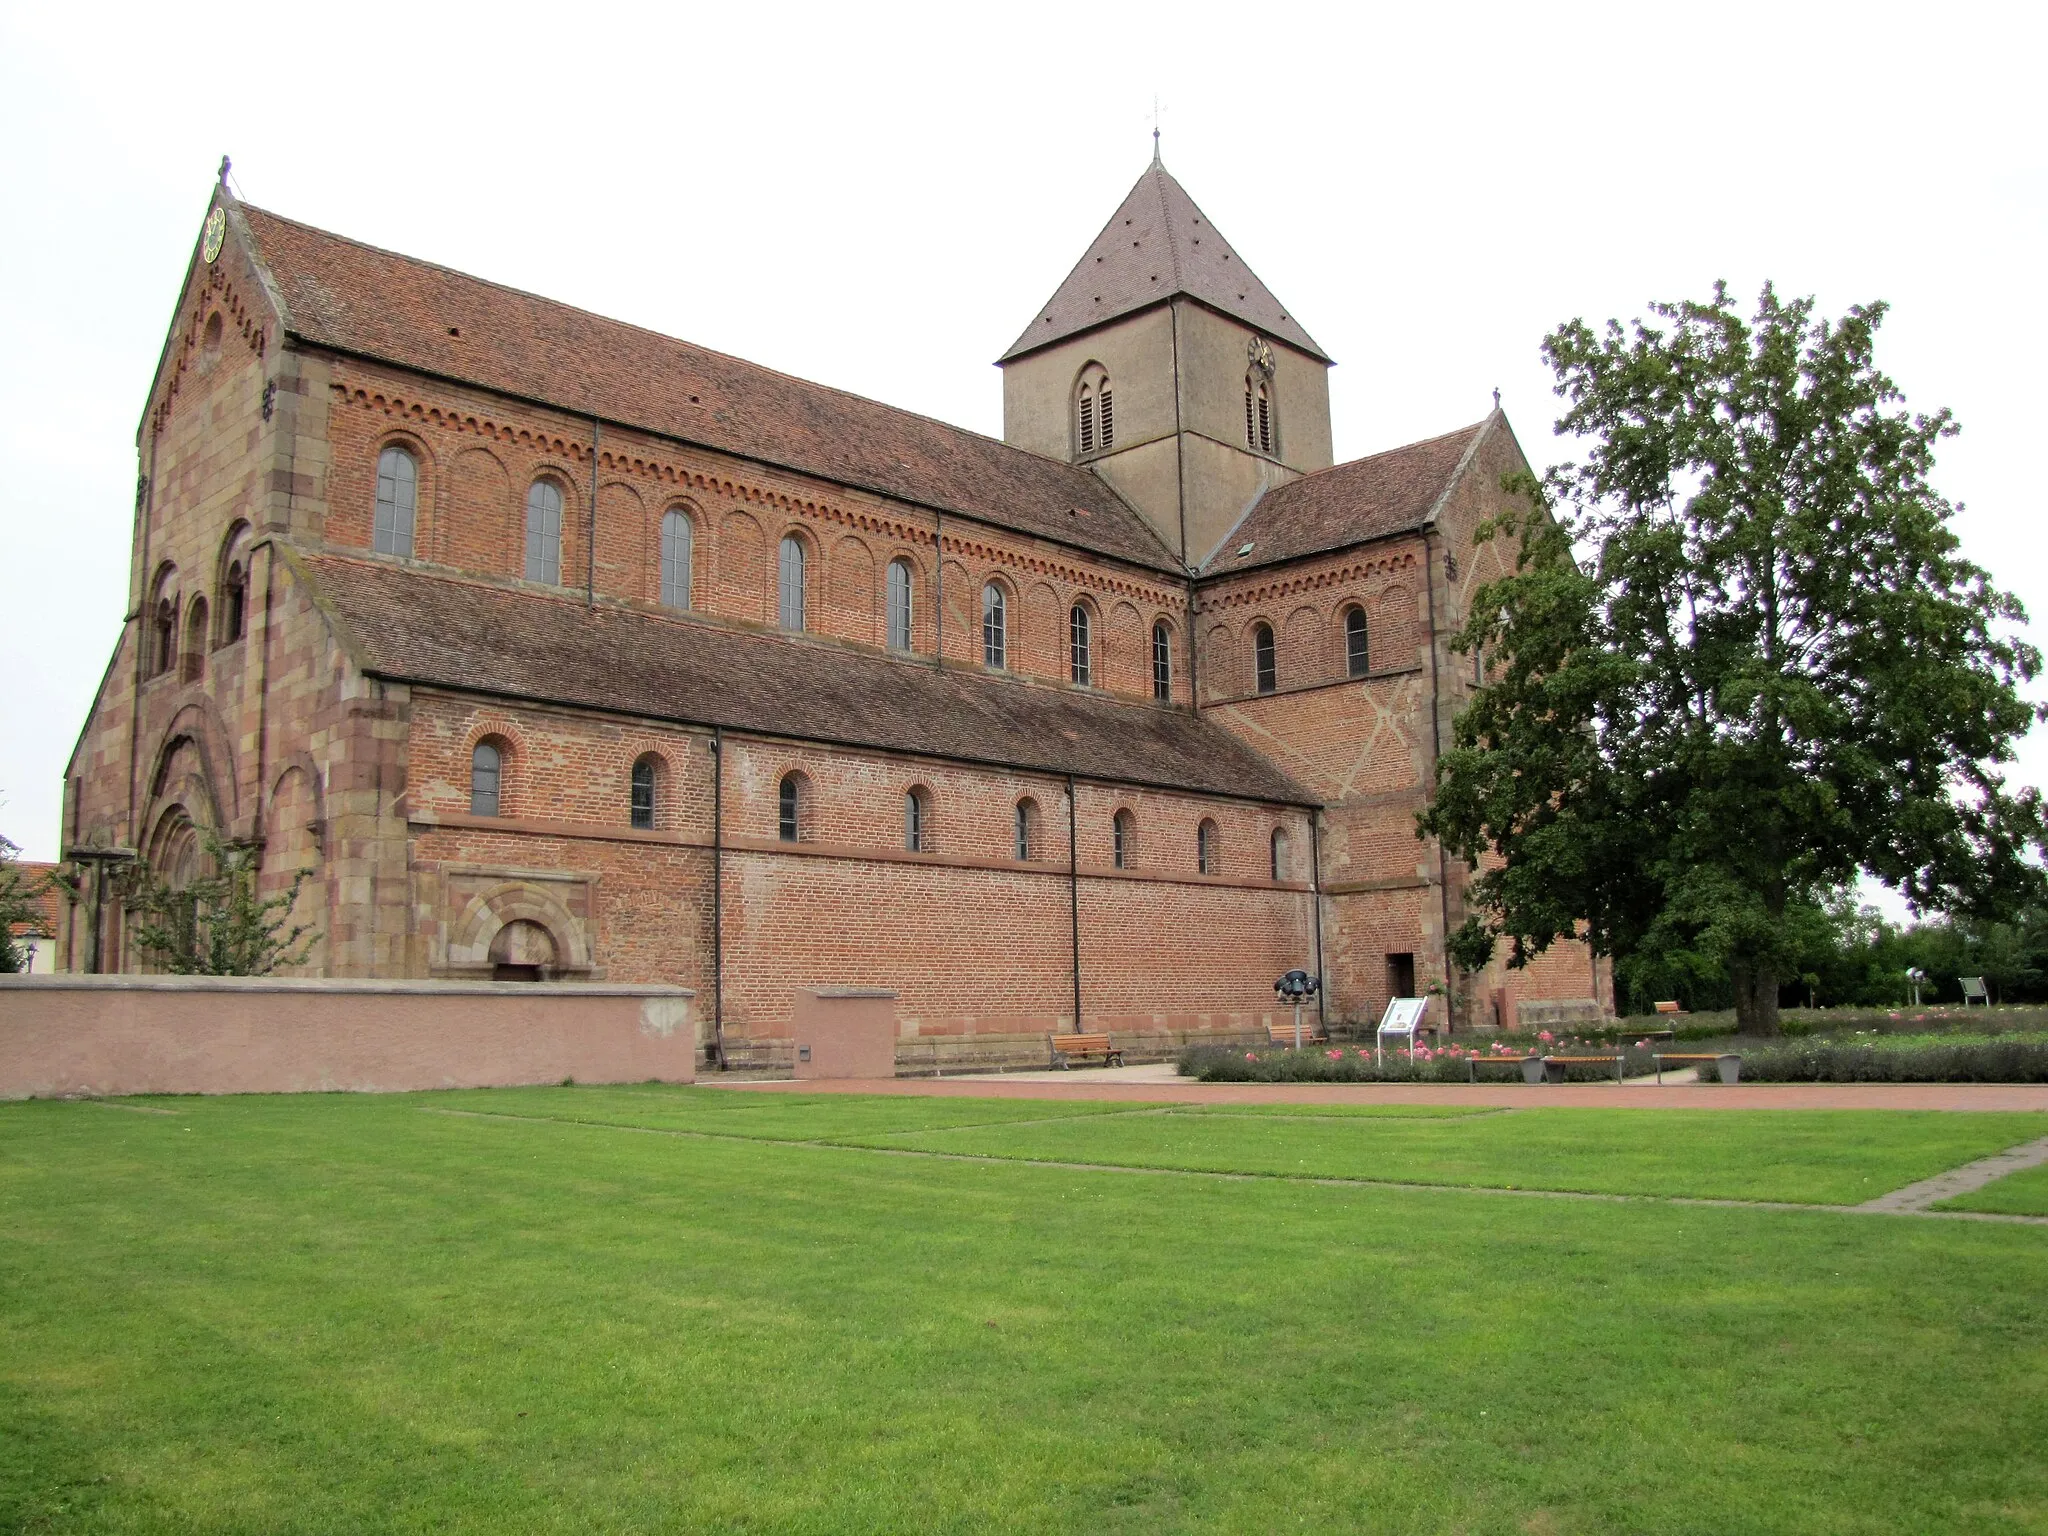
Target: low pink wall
(201, 1034)
(844, 1032)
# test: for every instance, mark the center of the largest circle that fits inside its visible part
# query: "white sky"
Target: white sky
(878, 196)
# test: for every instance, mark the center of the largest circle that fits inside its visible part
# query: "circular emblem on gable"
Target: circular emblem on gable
(216, 234)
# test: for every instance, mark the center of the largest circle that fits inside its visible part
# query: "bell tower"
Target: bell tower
(1164, 365)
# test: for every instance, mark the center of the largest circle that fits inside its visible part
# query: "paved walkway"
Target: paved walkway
(1961, 1181)
(1158, 1085)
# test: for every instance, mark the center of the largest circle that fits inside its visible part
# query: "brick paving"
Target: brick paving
(1110, 1085)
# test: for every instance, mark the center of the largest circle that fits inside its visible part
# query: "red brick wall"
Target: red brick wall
(478, 455)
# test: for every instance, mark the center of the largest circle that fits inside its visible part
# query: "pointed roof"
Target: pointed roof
(1157, 245)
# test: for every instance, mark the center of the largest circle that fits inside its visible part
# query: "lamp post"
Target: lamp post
(1297, 987)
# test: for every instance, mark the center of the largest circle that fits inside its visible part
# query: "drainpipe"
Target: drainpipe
(938, 590)
(143, 617)
(1443, 885)
(590, 545)
(1315, 859)
(1194, 675)
(718, 892)
(1074, 892)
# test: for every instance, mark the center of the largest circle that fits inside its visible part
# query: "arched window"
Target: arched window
(789, 583)
(1206, 859)
(643, 792)
(1123, 831)
(544, 533)
(789, 808)
(398, 485)
(486, 770)
(1357, 649)
(160, 643)
(234, 603)
(1263, 666)
(1279, 853)
(1258, 414)
(995, 627)
(1478, 666)
(209, 343)
(899, 605)
(678, 541)
(1080, 647)
(917, 819)
(1027, 829)
(1162, 662)
(1094, 411)
(195, 639)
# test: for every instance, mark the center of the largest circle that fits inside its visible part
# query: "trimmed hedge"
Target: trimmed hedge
(1353, 1064)
(2010, 1060)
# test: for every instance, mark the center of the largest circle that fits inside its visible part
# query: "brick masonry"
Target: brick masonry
(255, 444)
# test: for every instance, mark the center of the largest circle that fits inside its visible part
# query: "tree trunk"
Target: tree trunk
(1756, 998)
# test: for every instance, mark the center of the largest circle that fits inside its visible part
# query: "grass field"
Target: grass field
(348, 1314)
(2017, 1194)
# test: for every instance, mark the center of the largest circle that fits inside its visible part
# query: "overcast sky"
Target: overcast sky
(878, 197)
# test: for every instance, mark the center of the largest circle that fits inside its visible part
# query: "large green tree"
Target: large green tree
(1738, 659)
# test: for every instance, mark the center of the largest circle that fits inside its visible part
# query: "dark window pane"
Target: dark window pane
(484, 766)
(643, 794)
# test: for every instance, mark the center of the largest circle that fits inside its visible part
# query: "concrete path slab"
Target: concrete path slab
(1960, 1181)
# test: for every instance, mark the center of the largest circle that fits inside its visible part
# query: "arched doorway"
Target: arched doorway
(522, 951)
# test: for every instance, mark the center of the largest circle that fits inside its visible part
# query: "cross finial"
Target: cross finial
(224, 164)
(1156, 109)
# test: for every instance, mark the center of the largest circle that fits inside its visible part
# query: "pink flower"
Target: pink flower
(1363, 1051)
(1545, 1035)
(1248, 1056)
(1334, 1055)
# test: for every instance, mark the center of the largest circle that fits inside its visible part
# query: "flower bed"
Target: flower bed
(1430, 1064)
(2008, 1059)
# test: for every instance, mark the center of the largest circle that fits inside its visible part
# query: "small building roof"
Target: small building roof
(1350, 503)
(1157, 245)
(469, 635)
(49, 902)
(357, 299)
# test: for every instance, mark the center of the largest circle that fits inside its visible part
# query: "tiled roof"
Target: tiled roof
(468, 635)
(1348, 503)
(1156, 245)
(358, 299)
(50, 904)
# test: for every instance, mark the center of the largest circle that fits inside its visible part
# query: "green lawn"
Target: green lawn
(2017, 1194)
(1825, 1157)
(347, 1314)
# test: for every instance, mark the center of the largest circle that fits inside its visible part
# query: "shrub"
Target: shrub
(1355, 1064)
(2012, 1059)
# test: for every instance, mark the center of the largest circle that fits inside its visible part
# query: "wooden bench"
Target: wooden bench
(1670, 1008)
(1730, 1063)
(1065, 1048)
(1475, 1061)
(1283, 1034)
(1554, 1066)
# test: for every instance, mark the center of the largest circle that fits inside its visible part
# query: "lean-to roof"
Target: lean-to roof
(469, 635)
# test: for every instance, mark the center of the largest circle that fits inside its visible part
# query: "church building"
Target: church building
(556, 648)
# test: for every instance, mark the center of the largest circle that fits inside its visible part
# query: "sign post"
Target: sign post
(1403, 1017)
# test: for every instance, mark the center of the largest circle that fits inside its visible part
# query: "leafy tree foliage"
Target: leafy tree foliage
(20, 902)
(1775, 670)
(216, 923)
